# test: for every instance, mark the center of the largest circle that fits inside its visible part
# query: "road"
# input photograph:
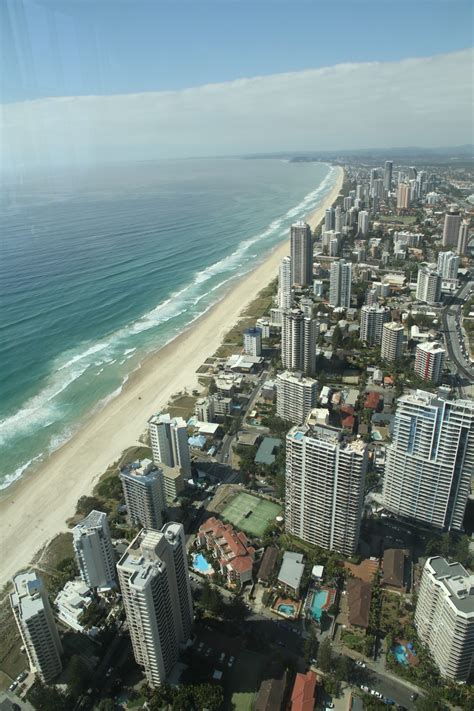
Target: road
(449, 315)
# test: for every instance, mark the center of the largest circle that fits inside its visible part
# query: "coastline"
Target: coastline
(49, 495)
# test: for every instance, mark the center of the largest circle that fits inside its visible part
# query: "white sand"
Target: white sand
(35, 509)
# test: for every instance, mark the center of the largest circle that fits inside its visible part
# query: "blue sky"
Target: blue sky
(80, 47)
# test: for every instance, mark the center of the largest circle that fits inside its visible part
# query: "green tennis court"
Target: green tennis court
(251, 514)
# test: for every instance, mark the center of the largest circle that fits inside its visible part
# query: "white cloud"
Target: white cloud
(425, 102)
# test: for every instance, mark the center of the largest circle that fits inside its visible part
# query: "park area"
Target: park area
(250, 513)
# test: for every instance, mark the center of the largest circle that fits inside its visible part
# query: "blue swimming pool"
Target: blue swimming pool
(319, 600)
(287, 610)
(400, 655)
(200, 564)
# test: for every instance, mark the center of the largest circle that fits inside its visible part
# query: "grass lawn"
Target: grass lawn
(244, 682)
(263, 513)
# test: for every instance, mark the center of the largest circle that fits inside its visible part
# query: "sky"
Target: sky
(97, 80)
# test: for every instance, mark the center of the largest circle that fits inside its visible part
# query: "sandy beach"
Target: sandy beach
(35, 509)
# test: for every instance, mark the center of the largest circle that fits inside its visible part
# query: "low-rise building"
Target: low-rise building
(267, 565)
(267, 451)
(291, 572)
(359, 596)
(232, 550)
(173, 482)
(394, 570)
(303, 696)
(71, 602)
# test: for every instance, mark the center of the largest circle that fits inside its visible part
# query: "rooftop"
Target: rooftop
(303, 696)
(291, 570)
(359, 595)
(27, 594)
(266, 453)
(457, 582)
(267, 563)
(394, 567)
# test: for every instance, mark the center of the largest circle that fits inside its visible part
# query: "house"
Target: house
(291, 572)
(232, 550)
(267, 565)
(303, 696)
(372, 401)
(271, 694)
(71, 602)
(394, 570)
(359, 596)
(348, 418)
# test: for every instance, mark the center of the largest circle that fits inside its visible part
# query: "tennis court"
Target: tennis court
(251, 514)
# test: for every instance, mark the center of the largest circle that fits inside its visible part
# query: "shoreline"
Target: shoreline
(48, 496)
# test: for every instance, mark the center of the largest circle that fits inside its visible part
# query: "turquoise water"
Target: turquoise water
(99, 268)
(400, 655)
(286, 609)
(200, 563)
(320, 598)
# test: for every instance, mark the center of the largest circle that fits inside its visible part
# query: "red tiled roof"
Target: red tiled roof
(372, 400)
(303, 696)
(348, 422)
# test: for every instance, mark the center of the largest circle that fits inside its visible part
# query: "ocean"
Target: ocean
(100, 267)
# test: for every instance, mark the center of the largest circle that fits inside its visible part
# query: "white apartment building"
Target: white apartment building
(463, 238)
(296, 396)
(71, 603)
(94, 551)
(325, 476)
(154, 579)
(173, 483)
(301, 254)
(372, 319)
(213, 407)
(430, 461)
(33, 615)
(448, 265)
(329, 219)
(363, 222)
(318, 288)
(253, 341)
(264, 325)
(299, 334)
(392, 341)
(444, 617)
(340, 283)
(429, 361)
(428, 285)
(452, 223)
(143, 489)
(284, 284)
(169, 442)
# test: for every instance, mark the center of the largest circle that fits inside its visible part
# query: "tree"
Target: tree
(235, 610)
(105, 705)
(86, 504)
(93, 615)
(325, 656)
(430, 702)
(47, 698)
(211, 599)
(337, 337)
(78, 676)
(310, 647)
(343, 668)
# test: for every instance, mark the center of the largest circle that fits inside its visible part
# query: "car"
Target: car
(280, 643)
(414, 696)
(222, 657)
(378, 695)
(109, 671)
(329, 705)
(200, 646)
(13, 686)
(231, 661)
(364, 688)
(21, 676)
(208, 651)
(360, 664)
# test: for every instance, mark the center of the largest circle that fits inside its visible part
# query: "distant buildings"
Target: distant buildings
(301, 254)
(444, 617)
(428, 286)
(340, 283)
(430, 461)
(296, 396)
(392, 341)
(143, 490)
(298, 341)
(363, 222)
(169, 442)
(463, 238)
(429, 361)
(94, 552)
(253, 341)
(232, 551)
(448, 265)
(372, 320)
(325, 476)
(33, 615)
(284, 284)
(154, 580)
(387, 175)
(452, 223)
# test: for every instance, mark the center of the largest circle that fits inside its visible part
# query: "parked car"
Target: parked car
(231, 661)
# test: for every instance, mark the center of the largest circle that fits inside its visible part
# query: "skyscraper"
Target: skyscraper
(430, 460)
(169, 442)
(448, 265)
(296, 396)
(325, 476)
(154, 579)
(253, 341)
(32, 612)
(403, 196)
(284, 284)
(392, 341)
(363, 222)
(338, 219)
(329, 219)
(429, 361)
(340, 283)
(463, 238)
(428, 285)
(143, 489)
(94, 551)
(298, 341)
(301, 254)
(387, 176)
(372, 319)
(444, 617)
(452, 223)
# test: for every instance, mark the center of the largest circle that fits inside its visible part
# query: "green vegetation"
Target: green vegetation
(263, 512)
(191, 697)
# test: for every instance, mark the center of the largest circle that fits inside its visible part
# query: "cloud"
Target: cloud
(422, 101)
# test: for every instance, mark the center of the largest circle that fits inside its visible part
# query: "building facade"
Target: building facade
(143, 489)
(296, 396)
(284, 284)
(448, 265)
(428, 285)
(33, 615)
(430, 460)
(154, 579)
(340, 283)
(325, 477)
(253, 341)
(94, 551)
(463, 238)
(444, 617)
(301, 254)
(392, 341)
(169, 442)
(372, 320)
(452, 223)
(429, 361)
(298, 341)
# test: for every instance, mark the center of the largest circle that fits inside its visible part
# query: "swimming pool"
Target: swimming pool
(201, 565)
(318, 602)
(400, 655)
(286, 610)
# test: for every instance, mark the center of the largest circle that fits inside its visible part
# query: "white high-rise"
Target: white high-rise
(301, 254)
(33, 615)
(452, 223)
(372, 319)
(154, 579)
(429, 361)
(325, 477)
(169, 442)
(284, 284)
(448, 265)
(392, 341)
(296, 396)
(143, 489)
(363, 222)
(463, 238)
(430, 461)
(329, 219)
(298, 341)
(253, 341)
(94, 551)
(340, 283)
(444, 617)
(428, 285)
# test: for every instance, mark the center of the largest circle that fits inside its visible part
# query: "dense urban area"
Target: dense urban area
(296, 533)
